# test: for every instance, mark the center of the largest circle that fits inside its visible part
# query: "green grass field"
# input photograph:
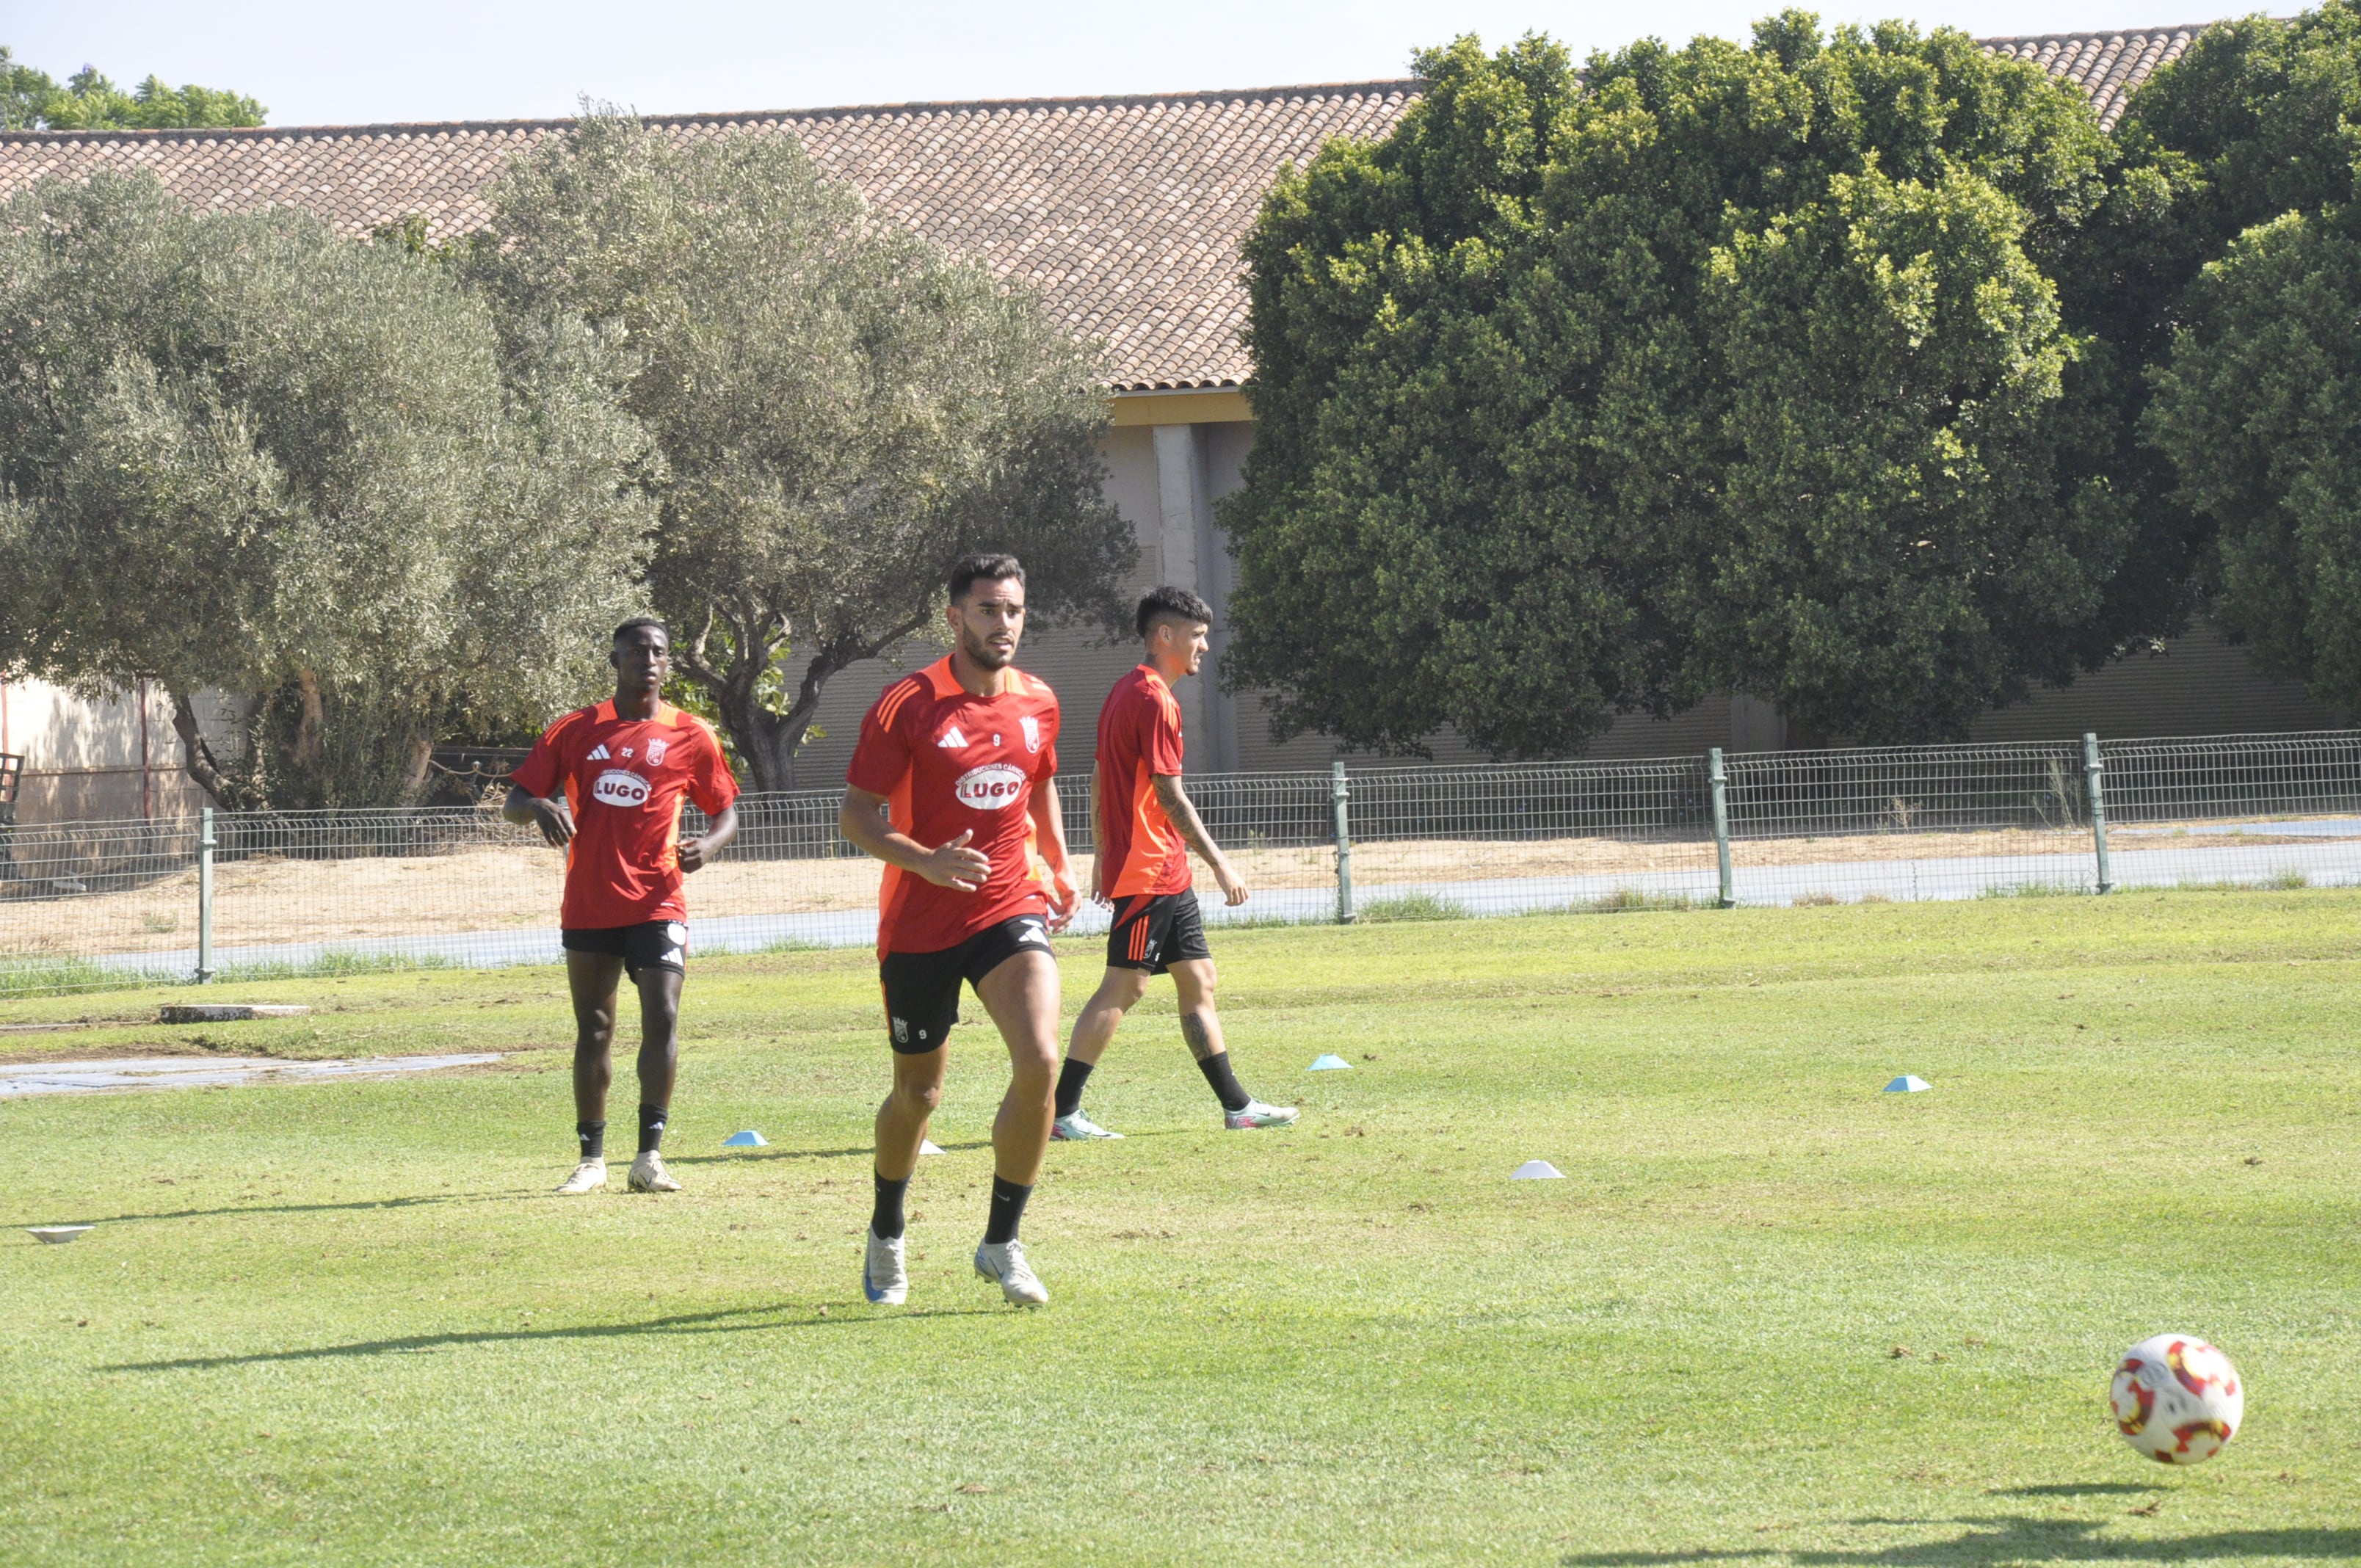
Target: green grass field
(1771, 1315)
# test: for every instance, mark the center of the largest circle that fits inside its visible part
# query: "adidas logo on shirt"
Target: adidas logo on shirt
(951, 737)
(598, 754)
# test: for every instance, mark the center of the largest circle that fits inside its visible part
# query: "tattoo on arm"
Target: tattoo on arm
(1182, 811)
(1193, 1029)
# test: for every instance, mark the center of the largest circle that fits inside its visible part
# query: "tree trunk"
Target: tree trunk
(413, 774)
(197, 757)
(767, 740)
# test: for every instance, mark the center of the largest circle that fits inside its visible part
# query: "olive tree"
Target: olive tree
(841, 409)
(244, 454)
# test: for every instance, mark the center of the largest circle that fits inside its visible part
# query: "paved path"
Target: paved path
(2138, 861)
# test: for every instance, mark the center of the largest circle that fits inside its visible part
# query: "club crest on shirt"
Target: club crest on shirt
(656, 750)
(1032, 728)
(616, 787)
(991, 787)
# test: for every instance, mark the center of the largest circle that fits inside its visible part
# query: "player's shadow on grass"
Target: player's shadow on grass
(2075, 1489)
(730, 1321)
(2017, 1540)
(762, 1156)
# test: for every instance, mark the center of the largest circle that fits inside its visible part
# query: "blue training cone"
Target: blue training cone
(1330, 1064)
(1908, 1083)
(749, 1139)
(1537, 1170)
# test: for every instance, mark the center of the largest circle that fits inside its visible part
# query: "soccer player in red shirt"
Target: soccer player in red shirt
(953, 785)
(1147, 826)
(604, 783)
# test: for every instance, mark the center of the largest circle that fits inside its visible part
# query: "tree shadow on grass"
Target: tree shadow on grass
(1996, 1541)
(730, 1321)
(356, 1205)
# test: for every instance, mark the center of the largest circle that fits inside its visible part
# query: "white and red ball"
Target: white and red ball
(2177, 1399)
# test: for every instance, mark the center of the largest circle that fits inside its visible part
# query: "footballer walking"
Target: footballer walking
(605, 783)
(1147, 826)
(952, 785)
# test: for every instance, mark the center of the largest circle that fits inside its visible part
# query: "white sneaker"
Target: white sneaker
(883, 1277)
(648, 1174)
(1004, 1261)
(1078, 1128)
(588, 1177)
(1257, 1114)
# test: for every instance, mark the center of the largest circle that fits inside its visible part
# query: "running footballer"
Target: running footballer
(953, 785)
(604, 783)
(1147, 826)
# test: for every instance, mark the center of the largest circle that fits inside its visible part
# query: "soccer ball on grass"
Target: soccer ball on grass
(2177, 1399)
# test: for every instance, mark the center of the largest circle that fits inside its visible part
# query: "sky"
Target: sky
(366, 61)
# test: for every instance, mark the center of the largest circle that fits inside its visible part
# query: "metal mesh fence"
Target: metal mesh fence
(102, 904)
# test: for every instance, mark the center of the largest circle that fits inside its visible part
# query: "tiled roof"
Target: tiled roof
(2108, 66)
(1125, 212)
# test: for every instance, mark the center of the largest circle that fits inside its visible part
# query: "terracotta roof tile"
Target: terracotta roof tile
(1125, 212)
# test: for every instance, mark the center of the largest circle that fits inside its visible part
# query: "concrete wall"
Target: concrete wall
(1166, 479)
(89, 760)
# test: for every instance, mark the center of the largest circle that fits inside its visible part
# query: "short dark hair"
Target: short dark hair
(1168, 603)
(988, 568)
(639, 620)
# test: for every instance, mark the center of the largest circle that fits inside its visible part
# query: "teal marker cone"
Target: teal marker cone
(1908, 1083)
(1330, 1064)
(749, 1139)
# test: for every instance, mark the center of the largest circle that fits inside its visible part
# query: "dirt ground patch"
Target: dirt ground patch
(262, 902)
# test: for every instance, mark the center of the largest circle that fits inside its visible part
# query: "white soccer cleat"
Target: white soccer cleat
(884, 1279)
(1078, 1128)
(1257, 1114)
(648, 1174)
(1004, 1261)
(588, 1177)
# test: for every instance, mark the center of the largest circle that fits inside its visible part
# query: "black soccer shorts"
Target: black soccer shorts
(1155, 931)
(653, 944)
(922, 990)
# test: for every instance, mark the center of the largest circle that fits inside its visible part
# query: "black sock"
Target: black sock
(1007, 1210)
(885, 1216)
(1070, 1078)
(1216, 1069)
(652, 1125)
(592, 1136)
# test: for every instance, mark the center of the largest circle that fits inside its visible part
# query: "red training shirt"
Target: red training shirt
(1140, 737)
(623, 780)
(950, 763)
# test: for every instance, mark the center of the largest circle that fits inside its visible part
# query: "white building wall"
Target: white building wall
(110, 758)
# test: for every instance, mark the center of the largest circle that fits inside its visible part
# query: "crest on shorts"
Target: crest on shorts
(901, 1031)
(1032, 728)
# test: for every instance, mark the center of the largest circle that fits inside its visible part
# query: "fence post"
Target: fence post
(205, 895)
(1341, 790)
(1719, 784)
(2092, 768)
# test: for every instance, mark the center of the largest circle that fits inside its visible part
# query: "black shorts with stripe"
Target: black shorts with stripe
(922, 990)
(1156, 930)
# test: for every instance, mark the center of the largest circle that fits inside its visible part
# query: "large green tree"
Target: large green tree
(2258, 403)
(1724, 366)
(31, 100)
(244, 454)
(842, 408)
